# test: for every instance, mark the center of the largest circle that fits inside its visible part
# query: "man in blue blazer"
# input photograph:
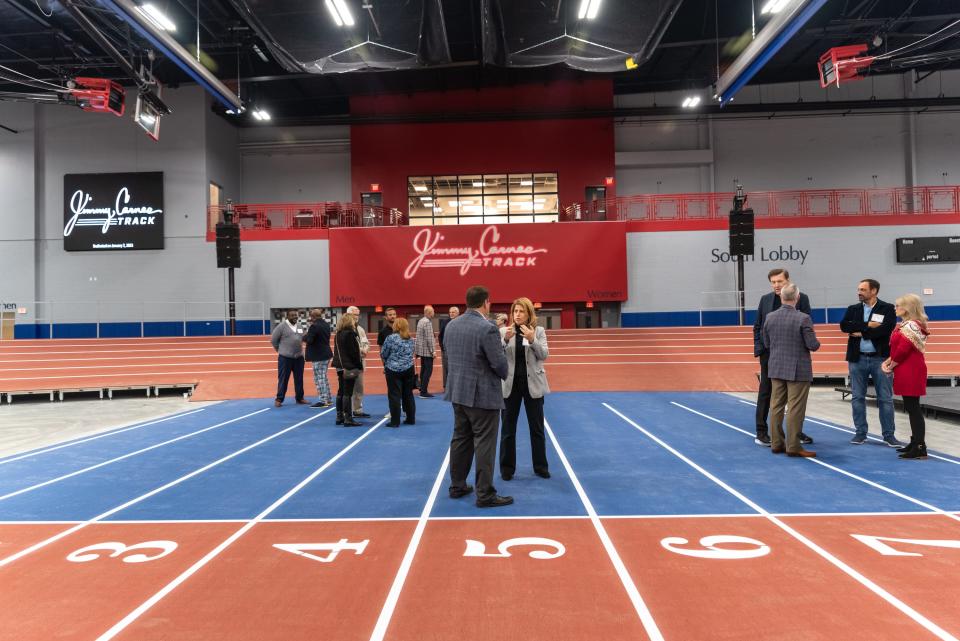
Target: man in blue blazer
(768, 303)
(869, 324)
(478, 366)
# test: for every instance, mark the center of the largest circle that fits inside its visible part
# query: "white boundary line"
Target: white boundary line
(118, 430)
(126, 456)
(186, 574)
(849, 430)
(56, 537)
(386, 613)
(901, 495)
(643, 612)
(929, 625)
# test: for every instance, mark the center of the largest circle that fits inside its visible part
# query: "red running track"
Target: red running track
(648, 359)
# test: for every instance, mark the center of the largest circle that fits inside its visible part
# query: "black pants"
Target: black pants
(400, 394)
(763, 396)
(508, 431)
(443, 363)
(286, 366)
(474, 433)
(918, 425)
(426, 371)
(344, 394)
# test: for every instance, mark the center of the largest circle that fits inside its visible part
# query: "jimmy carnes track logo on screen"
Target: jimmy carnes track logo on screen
(121, 214)
(487, 253)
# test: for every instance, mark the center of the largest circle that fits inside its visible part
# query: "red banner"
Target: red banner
(546, 262)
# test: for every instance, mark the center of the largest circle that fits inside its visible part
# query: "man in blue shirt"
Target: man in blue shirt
(869, 325)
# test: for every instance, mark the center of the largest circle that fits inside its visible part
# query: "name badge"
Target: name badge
(526, 343)
(876, 318)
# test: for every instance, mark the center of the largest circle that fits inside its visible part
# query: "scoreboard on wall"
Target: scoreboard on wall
(110, 212)
(930, 249)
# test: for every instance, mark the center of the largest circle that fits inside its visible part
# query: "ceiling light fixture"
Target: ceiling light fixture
(419, 187)
(588, 9)
(774, 6)
(261, 114)
(339, 12)
(157, 17)
(690, 102)
(477, 183)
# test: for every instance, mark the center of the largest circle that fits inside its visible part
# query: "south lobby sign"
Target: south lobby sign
(556, 262)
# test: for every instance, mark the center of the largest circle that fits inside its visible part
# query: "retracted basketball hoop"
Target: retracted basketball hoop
(99, 94)
(841, 64)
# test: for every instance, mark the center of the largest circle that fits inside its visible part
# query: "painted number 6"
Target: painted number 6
(115, 548)
(712, 549)
(477, 548)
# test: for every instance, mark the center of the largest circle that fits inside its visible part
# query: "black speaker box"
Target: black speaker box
(228, 245)
(741, 233)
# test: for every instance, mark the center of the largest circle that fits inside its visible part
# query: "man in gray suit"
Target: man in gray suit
(477, 369)
(789, 337)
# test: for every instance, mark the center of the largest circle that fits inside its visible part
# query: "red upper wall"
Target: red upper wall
(580, 150)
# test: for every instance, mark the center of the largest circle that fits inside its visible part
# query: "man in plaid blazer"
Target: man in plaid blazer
(789, 337)
(478, 366)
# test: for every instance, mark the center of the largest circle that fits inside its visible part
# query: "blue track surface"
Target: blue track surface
(389, 474)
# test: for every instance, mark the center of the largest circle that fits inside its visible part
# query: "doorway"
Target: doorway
(372, 201)
(548, 318)
(588, 318)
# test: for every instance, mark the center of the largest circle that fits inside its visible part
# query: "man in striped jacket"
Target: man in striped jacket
(425, 350)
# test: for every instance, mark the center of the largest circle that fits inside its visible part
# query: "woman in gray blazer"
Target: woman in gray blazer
(525, 344)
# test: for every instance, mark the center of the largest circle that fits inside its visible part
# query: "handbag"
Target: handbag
(351, 374)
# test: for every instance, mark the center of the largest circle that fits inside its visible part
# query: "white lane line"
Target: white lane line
(848, 570)
(56, 537)
(386, 613)
(850, 430)
(98, 436)
(643, 612)
(126, 456)
(901, 495)
(193, 569)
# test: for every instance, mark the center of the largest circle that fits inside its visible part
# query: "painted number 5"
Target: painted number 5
(712, 550)
(93, 552)
(477, 548)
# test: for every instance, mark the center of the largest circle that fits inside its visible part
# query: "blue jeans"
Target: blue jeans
(869, 367)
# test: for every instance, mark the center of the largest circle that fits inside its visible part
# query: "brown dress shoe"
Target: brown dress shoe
(277, 403)
(803, 453)
(777, 450)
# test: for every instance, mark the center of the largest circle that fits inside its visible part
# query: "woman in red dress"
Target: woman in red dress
(909, 369)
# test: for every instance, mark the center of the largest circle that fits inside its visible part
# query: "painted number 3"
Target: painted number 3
(711, 547)
(117, 549)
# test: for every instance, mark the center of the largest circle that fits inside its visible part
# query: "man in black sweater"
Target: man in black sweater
(869, 324)
(317, 340)
(769, 302)
(390, 316)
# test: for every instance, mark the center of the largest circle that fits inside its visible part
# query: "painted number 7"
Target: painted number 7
(876, 542)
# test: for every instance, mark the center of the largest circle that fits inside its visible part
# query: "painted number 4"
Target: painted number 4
(477, 548)
(117, 549)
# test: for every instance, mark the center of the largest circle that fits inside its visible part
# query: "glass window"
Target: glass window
(483, 198)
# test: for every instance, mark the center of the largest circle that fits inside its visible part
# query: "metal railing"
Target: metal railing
(131, 318)
(726, 304)
(327, 215)
(810, 203)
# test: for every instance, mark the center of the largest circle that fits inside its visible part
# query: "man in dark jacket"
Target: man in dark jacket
(789, 338)
(317, 340)
(454, 312)
(869, 324)
(478, 366)
(768, 303)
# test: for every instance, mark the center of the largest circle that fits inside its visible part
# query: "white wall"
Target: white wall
(17, 255)
(670, 271)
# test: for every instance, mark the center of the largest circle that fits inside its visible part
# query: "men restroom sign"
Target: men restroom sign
(108, 212)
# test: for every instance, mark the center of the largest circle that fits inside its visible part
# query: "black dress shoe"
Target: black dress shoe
(762, 439)
(409, 422)
(361, 415)
(544, 474)
(349, 422)
(496, 501)
(506, 476)
(393, 424)
(806, 440)
(423, 395)
(457, 492)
